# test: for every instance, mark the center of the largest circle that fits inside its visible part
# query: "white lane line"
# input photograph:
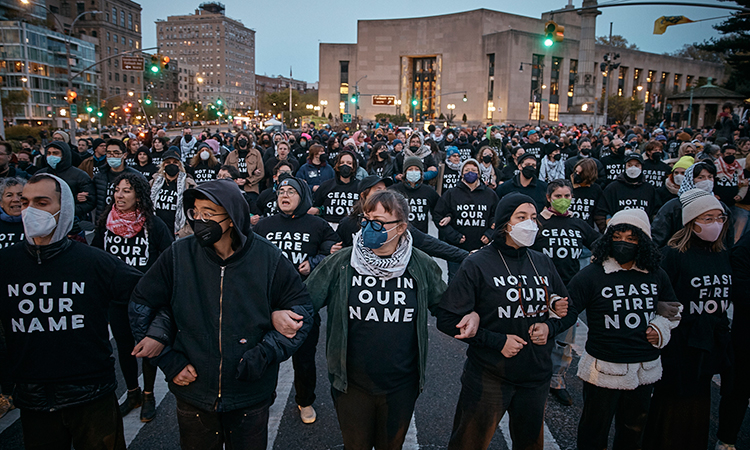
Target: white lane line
(549, 440)
(411, 443)
(9, 419)
(132, 422)
(283, 388)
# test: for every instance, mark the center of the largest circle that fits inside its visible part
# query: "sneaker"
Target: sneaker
(133, 401)
(6, 404)
(722, 446)
(562, 396)
(307, 414)
(148, 410)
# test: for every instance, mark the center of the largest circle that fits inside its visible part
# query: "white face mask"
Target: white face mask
(678, 179)
(633, 171)
(498, 136)
(37, 222)
(205, 155)
(524, 233)
(706, 185)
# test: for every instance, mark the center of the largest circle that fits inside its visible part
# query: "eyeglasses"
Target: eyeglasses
(287, 192)
(203, 216)
(709, 220)
(377, 225)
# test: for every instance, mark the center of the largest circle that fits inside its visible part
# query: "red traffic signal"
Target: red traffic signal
(72, 95)
(165, 62)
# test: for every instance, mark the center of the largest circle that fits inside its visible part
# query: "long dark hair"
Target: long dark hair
(142, 199)
(648, 256)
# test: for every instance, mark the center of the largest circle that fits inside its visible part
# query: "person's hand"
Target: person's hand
(336, 247)
(445, 221)
(186, 376)
(82, 196)
(468, 325)
(286, 322)
(561, 307)
(315, 188)
(254, 219)
(463, 239)
(737, 198)
(538, 333)
(485, 240)
(147, 348)
(400, 177)
(313, 211)
(513, 345)
(257, 172)
(304, 268)
(670, 310)
(652, 336)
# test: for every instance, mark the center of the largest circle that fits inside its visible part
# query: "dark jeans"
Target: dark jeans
(600, 405)
(120, 324)
(95, 425)
(303, 361)
(485, 399)
(241, 429)
(379, 421)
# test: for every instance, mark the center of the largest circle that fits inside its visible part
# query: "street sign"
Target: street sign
(383, 100)
(347, 118)
(73, 110)
(132, 63)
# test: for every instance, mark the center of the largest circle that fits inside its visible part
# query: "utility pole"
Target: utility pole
(608, 65)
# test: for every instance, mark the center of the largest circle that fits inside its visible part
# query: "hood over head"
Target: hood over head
(225, 194)
(66, 162)
(505, 209)
(67, 210)
(305, 196)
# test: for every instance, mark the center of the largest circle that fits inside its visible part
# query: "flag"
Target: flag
(661, 24)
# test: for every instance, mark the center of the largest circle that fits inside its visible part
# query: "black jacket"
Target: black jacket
(231, 341)
(668, 221)
(537, 190)
(422, 200)
(104, 186)
(625, 193)
(77, 179)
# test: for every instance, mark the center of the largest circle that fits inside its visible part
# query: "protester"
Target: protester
(586, 191)
(74, 404)
(204, 166)
(534, 146)
(655, 170)
(249, 280)
(628, 191)
(167, 189)
(500, 302)
(104, 181)
(730, 185)
(187, 144)
(525, 181)
(377, 352)
(511, 167)
(57, 155)
(11, 227)
(334, 199)
(158, 147)
(584, 152)
(672, 183)
(283, 153)
(316, 170)
(552, 165)
(449, 173)
(380, 162)
(421, 197)
(7, 170)
(24, 162)
(144, 163)
(97, 160)
(248, 161)
(417, 148)
(614, 163)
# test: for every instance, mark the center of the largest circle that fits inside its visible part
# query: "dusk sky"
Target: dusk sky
(288, 32)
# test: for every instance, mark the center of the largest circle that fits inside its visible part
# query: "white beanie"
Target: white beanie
(696, 202)
(636, 217)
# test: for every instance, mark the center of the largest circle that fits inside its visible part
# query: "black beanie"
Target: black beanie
(505, 209)
(525, 156)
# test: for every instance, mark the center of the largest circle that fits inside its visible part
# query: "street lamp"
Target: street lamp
(398, 106)
(323, 104)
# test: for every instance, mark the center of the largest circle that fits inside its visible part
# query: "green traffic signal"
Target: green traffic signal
(548, 42)
(354, 99)
(155, 69)
(218, 102)
(89, 109)
(415, 102)
(99, 114)
(148, 101)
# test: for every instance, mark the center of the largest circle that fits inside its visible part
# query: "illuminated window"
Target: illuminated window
(553, 111)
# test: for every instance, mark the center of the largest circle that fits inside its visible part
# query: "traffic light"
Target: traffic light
(553, 33)
(154, 64)
(148, 100)
(165, 62)
(218, 102)
(415, 102)
(354, 98)
(99, 114)
(89, 109)
(72, 95)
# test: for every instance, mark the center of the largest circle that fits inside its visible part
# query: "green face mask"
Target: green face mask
(561, 205)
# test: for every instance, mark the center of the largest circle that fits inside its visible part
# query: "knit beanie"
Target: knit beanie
(684, 163)
(636, 217)
(505, 209)
(468, 161)
(66, 136)
(413, 161)
(97, 143)
(452, 150)
(524, 157)
(696, 202)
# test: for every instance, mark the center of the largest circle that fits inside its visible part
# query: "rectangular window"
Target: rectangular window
(424, 72)
(491, 79)
(649, 85)
(554, 111)
(572, 75)
(130, 21)
(344, 83)
(677, 80)
(117, 77)
(535, 96)
(114, 16)
(80, 8)
(689, 81)
(122, 19)
(621, 74)
(637, 82)
(554, 84)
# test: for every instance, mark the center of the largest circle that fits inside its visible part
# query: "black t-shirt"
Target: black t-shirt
(619, 306)
(336, 198)
(422, 200)
(614, 165)
(563, 238)
(299, 238)
(266, 204)
(165, 205)
(242, 163)
(147, 171)
(535, 149)
(382, 347)
(471, 212)
(655, 172)
(157, 157)
(450, 178)
(727, 187)
(11, 233)
(202, 173)
(139, 251)
(584, 202)
(621, 195)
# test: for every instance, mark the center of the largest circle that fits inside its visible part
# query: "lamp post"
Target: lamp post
(323, 104)
(398, 106)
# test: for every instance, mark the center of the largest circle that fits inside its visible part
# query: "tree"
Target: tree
(621, 109)
(734, 43)
(617, 42)
(463, 118)
(190, 111)
(13, 103)
(692, 51)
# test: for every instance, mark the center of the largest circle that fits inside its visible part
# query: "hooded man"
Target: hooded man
(104, 181)
(304, 240)
(628, 191)
(58, 344)
(422, 198)
(526, 181)
(222, 286)
(97, 160)
(59, 164)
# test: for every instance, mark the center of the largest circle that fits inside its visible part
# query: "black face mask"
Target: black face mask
(414, 148)
(382, 155)
(188, 137)
(624, 252)
(577, 179)
(266, 142)
(172, 169)
(463, 139)
(487, 159)
(23, 164)
(585, 151)
(729, 159)
(345, 171)
(529, 172)
(242, 143)
(208, 233)
(557, 157)
(323, 158)
(656, 156)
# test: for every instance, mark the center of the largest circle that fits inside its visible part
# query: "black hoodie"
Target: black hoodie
(336, 198)
(472, 214)
(626, 193)
(77, 179)
(422, 199)
(614, 165)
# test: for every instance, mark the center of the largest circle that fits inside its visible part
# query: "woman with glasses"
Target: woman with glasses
(378, 293)
(129, 230)
(698, 264)
(501, 303)
(11, 227)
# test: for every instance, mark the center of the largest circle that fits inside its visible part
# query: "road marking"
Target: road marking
(132, 422)
(411, 443)
(549, 441)
(283, 389)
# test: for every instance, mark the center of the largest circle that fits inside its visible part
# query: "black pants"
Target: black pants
(735, 391)
(242, 429)
(483, 402)
(6, 386)
(303, 361)
(120, 324)
(600, 405)
(379, 421)
(95, 425)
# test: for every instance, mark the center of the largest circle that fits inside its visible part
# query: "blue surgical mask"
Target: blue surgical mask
(375, 239)
(114, 162)
(471, 177)
(413, 176)
(53, 161)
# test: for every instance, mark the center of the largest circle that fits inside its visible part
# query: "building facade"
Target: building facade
(34, 60)
(188, 83)
(222, 49)
(277, 84)
(498, 71)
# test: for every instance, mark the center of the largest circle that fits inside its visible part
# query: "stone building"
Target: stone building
(491, 66)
